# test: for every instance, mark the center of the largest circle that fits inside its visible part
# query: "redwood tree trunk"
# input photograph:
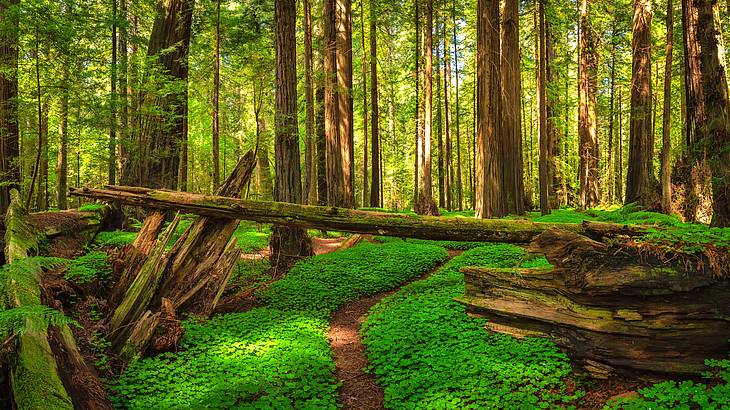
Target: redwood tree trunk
(364, 77)
(375, 112)
(667, 120)
(488, 200)
(335, 183)
(544, 144)
(287, 243)
(639, 177)
(587, 87)
(511, 132)
(449, 188)
(310, 177)
(344, 98)
(459, 188)
(216, 98)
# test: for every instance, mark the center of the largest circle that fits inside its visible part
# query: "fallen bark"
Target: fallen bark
(610, 309)
(37, 380)
(348, 220)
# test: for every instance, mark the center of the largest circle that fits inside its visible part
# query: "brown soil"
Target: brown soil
(358, 390)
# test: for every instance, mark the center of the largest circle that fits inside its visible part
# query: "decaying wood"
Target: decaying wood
(348, 220)
(37, 379)
(610, 309)
(191, 276)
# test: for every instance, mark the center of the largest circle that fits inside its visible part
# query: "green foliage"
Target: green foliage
(276, 356)
(116, 239)
(92, 267)
(454, 245)
(91, 208)
(31, 318)
(427, 353)
(249, 273)
(21, 273)
(326, 282)
(250, 238)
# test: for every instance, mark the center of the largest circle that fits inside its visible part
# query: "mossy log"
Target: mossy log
(190, 276)
(349, 220)
(39, 376)
(611, 309)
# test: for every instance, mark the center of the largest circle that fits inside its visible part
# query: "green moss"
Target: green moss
(91, 208)
(35, 381)
(115, 239)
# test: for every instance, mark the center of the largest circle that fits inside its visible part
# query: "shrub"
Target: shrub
(92, 267)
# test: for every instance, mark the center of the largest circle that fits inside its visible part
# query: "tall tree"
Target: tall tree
(310, 177)
(216, 98)
(640, 183)
(439, 129)
(375, 112)
(716, 129)
(335, 174)
(321, 139)
(544, 143)
(287, 243)
(344, 98)
(162, 124)
(419, 124)
(364, 76)
(9, 137)
(459, 188)
(587, 89)
(113, 102)
(449, 188)
(425, 204)
(513, 187)
(666, 118)
(488, 198)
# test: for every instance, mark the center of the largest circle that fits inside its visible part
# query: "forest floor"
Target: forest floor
(359, 390)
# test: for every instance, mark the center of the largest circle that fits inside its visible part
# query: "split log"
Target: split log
(348, 220)
(37, 380)
(610, 309)
(191, 276)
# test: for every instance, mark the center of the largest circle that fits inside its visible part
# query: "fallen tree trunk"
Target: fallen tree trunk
(37, 380)
(611, 309)
(191, 276)
(348, 220)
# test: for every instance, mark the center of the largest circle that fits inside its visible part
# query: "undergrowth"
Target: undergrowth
(453, 245)
(114, 239)
(92, 267)
(277, 355)
(427, 353)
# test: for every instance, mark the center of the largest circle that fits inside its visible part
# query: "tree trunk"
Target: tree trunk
(310, 176)
(459, 188)
(419, 124)
(287, 243)
(666, 118)
(587, 89)
(440, 130)
(216, 98)
(9, 137)
(321, 140)
(375, 157)
(112, 164)
(335, 183)
(344, 99)
(512, 172)
(162, 122)
(123, 89)
(611, 120)
(349, 220)
(39, 135)
(364, 76)
(449, 185)
(487, 165)
(716, 129)
(62, 167)
(263, 169)
(544, 143)
(639, 176)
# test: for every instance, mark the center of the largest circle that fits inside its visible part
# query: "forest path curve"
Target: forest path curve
(359, 391)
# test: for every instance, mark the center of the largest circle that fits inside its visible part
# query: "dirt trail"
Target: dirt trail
(358, 391)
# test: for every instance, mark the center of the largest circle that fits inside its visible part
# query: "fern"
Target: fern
(32, 318)
(22, 272)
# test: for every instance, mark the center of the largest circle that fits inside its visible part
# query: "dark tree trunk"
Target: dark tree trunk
(321, 141)
(640, 182)
(666, 118)
(375, 120)
(716, 129)
(344, 99)
(335, 183)
(449, 162)
(440, 131)
(512, 172)
(310, 176)
(488, 198)
(544, 143)
(216, 98)
(112, 164)
(162, 125)
(610, 167)
(587, 89)
(459, 188)
(9, 137)
(287, 243)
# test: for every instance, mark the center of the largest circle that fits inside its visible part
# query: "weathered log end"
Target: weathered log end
(611, 311)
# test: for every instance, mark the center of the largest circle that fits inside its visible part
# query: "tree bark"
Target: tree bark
(287, 243)
(440, 129)
(348, 220)
(449, 171)
(344, 99)
(321, 140)
(640, 183)
(666, 117)
(587, 89)
(716, 129)
(335, 175)
(375, 112)
(9, 136)
(544, 143)
(459, 188)
(364, 76)
(487, 164)
(513, 185)
(216, 98)
(310, 176)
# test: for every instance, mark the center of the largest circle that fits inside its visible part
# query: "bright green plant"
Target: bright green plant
(92, 267)
(115, 239)
(427, 353)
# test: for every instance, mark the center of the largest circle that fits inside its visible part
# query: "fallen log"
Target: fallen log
(190, 276)
(348, 220)
(39, 377)
(611, 309)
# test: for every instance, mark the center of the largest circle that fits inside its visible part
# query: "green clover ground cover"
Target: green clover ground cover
(275, 356)
(427, 353)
